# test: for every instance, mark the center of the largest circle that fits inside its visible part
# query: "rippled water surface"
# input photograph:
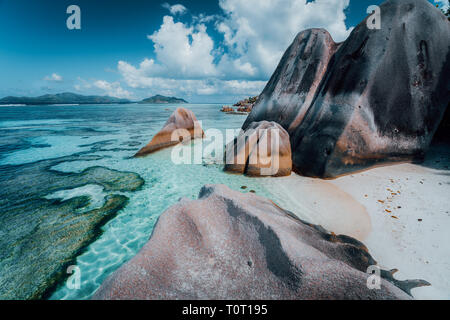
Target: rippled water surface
(81, 137)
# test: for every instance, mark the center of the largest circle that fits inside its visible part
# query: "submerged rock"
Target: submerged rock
(262, 150)
(229, 245)
(377, 97)
(182, 124)
(40, 237)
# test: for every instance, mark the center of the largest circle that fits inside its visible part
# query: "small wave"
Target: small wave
(64, 104)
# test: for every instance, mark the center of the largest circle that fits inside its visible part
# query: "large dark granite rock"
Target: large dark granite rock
(230, 245)
(381, 98)
(291, 89)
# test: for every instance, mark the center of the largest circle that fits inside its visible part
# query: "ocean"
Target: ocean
(51, 156)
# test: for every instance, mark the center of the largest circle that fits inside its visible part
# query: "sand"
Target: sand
(400, 212)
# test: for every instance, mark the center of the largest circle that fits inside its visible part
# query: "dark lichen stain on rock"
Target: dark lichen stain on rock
(277, 261)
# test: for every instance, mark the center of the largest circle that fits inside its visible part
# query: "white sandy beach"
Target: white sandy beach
(400, 212)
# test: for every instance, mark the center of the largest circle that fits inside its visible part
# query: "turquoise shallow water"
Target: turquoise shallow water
(113, 134)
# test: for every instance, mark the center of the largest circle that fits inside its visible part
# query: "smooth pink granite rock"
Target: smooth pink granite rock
(183, 123)
(263, 149)
(230, 245)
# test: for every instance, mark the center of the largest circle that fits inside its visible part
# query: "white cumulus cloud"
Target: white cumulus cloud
(181, 51)
(139, 79)
(175, 9)
(254, 36)
(258, 32)
(112, 89)
(53, 77)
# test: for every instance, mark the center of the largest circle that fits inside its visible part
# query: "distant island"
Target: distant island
(73, 98)
(62, 98)
(162, 99)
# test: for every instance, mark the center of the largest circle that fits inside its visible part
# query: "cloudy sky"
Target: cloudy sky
(203, 51)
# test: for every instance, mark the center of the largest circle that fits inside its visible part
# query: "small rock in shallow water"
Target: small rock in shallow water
(182, 123)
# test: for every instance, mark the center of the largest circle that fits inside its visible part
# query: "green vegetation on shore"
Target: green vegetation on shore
(162, 99)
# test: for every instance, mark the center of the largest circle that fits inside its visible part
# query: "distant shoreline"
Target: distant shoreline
(106, 104)
(69, 98)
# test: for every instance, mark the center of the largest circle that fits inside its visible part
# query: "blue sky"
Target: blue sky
(203, 51)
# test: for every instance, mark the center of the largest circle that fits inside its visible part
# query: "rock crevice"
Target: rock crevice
(263, 149)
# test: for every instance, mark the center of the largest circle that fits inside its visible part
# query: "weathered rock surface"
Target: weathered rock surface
(183, 123)
(291, 89)
(263, 149)
(377, 97)
(229, 245)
